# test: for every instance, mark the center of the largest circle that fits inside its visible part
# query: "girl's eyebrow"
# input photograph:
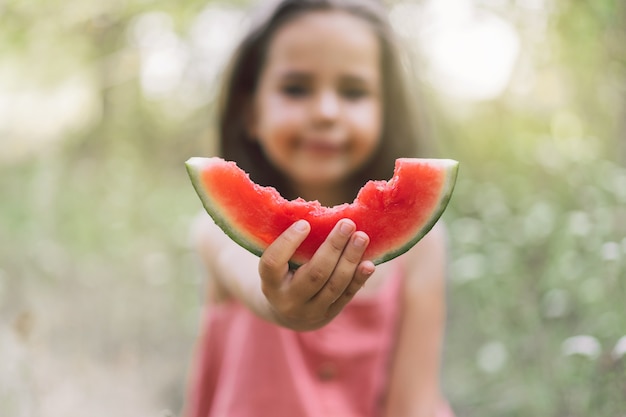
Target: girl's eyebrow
(300, 75)
(295, 75)
(354, 79)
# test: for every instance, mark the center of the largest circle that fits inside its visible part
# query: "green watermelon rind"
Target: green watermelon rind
(195, 166)
(452, 170)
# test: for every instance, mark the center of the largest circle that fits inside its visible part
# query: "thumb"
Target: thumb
(274, 262)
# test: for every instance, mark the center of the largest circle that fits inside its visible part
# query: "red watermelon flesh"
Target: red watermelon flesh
(395, 214)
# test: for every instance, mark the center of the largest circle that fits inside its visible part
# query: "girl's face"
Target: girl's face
(317, 111)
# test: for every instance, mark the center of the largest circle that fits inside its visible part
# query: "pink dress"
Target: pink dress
(247, 367)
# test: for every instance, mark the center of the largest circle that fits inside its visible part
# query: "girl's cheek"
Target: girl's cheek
(367, 119)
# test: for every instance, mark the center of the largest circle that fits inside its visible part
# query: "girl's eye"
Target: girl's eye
(295, 90)
(354, 93)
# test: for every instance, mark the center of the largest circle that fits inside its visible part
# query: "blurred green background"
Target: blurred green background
(102, 102)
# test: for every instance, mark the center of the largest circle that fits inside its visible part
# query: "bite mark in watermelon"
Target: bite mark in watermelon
(395, 214)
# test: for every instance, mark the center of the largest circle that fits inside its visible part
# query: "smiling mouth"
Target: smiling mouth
(322, 149)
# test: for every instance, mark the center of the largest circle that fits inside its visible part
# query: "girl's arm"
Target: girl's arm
(304, 299)
(414, 385)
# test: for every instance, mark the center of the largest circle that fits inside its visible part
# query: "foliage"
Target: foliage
(539, 260)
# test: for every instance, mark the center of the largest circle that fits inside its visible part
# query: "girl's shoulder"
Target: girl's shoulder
(426, 262)
(433, 244)
(426, 259)
(206, 240)
(204, 231)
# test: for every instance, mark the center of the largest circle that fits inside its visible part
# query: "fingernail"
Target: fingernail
(300, 226)
(359, 241)
(346, 228)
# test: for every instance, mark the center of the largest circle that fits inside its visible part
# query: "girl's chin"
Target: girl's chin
(320, 172)
(318, 181)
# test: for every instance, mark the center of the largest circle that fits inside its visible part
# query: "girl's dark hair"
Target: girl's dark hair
(402, 131)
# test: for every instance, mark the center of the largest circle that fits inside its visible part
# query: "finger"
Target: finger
(313, 275)
(363, 272)
(274, 262)
(345, 269)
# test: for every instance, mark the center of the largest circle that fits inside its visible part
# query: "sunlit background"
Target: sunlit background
(101, 102)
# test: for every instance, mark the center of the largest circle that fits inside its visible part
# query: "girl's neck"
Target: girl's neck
(327, 196)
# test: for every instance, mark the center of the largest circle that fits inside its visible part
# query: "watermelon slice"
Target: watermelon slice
(395, 214)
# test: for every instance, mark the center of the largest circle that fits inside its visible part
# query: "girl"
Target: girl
(315, 105)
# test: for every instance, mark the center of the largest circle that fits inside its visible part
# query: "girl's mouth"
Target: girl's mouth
(322, 149)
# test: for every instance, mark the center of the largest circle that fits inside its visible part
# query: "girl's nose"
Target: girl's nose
(327, 106)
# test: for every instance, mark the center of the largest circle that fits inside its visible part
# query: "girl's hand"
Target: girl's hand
(315, 293)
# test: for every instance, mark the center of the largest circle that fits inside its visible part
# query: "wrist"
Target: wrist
(297, 324)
